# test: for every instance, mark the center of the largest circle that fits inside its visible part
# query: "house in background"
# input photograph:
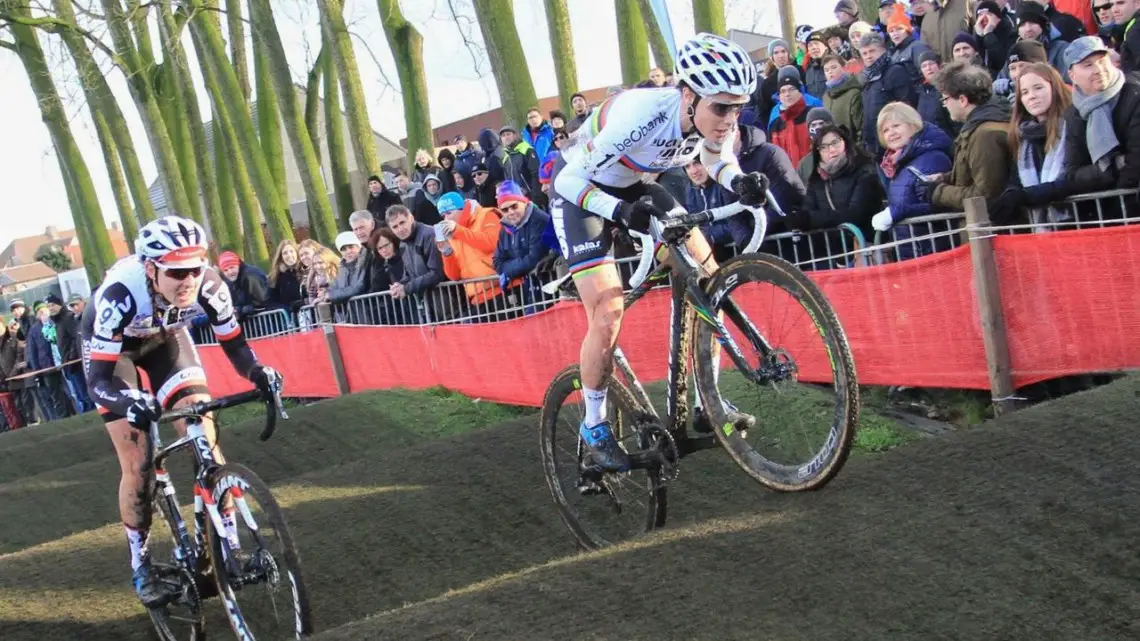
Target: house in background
(26, 277)
(389, 153)
(23, 251)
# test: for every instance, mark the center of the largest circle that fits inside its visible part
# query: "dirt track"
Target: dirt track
(1023, 529)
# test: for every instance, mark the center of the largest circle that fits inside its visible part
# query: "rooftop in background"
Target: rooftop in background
(23, 251)
(25, 274)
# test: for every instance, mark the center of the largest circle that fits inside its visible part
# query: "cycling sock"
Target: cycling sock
(595, 406)
(231, 528)
(137, 539)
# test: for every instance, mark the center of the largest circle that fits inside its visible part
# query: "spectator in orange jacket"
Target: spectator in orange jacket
(467, 238)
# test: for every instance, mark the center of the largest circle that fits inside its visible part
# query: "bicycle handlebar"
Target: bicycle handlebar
(682, 221)
(273, 408)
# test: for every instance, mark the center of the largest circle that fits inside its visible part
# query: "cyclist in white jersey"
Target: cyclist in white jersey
(137, 320)
(601, 181)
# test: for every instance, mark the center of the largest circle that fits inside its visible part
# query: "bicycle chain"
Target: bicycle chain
(671, 456)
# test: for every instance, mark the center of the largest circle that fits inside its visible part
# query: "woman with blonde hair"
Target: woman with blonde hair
(916, 151)
(1037, 139)
(326, 264)
(425, 166)
(284, 280)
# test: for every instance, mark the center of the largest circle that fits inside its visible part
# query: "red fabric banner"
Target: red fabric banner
(302, 358)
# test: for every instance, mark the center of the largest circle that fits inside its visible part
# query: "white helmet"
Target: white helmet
(173, 242)
(709, 65)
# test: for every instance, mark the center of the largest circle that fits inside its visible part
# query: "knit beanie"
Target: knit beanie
(508, 191)
(899, 19)
(777, 43)
(1028, 51)
(847, 6)
(1032, 12)
(788, 75)
(967, 38)
(228, 259)
(817, 114)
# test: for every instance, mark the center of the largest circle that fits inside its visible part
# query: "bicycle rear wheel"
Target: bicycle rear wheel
(800, 383)
(265, 570)
(620, 505)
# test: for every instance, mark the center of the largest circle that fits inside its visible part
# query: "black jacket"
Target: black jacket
(815, 82)
(67, 335)
(8, 357)
(765, 98)
(1085, 176)
(250, 290)
(378, 204)
(1069, 25)
(287, 289)
(756, 154)
(892, 85)
(854, 195)
(1129, 46)
(423, 264)
(424, 210)
(996, 45)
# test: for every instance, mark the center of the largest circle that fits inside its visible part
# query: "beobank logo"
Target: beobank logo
(637, 135)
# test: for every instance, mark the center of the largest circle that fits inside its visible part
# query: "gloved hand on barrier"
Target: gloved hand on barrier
(882, 221)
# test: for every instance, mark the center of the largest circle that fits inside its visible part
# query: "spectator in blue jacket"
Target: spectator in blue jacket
(930, 105)
(883, 83)
(520, 247)
(43, 353)
(466, 157)
(727, 237)
(914, 150)
(538, 133)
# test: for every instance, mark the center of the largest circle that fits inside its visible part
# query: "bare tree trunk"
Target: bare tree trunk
(172, 91)
(708, 16)
(115, 173)
(334, 132)
(98, 253)
(94, 272)
(269, 117)
(237, 46)
(508, 62)
(662, 51)
(562, 46)
(99, 95)
(633, 43)
(360, 129)
(227, 192)
(306, 157)
(212, 55)
(408, 50)
(140, 81)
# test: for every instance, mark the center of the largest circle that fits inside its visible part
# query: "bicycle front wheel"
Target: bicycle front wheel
(257, 568)
(619, 505)
(798, 378)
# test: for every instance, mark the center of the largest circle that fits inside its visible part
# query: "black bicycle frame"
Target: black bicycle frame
(688, 302)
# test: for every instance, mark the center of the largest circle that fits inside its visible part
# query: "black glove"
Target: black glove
(636, 216)
(267, 379)
(144, 411)
(1005, 207)
(752, 189)
(797, 219)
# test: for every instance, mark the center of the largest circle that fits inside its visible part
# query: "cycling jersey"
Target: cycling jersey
(127, 324)
(633, 133)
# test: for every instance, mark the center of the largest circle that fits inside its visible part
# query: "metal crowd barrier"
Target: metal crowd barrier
(838, 248)
(273, 322)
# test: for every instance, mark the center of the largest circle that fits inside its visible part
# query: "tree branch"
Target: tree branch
(387, 84)
(51, 25)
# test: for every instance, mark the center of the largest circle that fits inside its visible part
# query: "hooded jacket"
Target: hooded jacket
(67, 335)
(520, 164)
(466, 160)
(489, 142)
(250, 290)
(445, 177)
(379, 203)
(928, 153)
(845, 102)
(423, 208)
(982, 158)
(351, 279)
(1129, 37)
(472, 248)
(520, 249)
(759, 155)
(790, 131)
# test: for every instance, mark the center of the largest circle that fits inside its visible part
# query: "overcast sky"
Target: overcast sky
(459, 83)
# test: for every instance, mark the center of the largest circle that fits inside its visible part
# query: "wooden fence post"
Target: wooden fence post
(323, 312)
(988, 292)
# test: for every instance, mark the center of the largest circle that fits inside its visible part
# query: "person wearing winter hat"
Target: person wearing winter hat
(249, 285)
(814, 78)
(930, 106)
(352, 277)
(70, 346)
(996, 33)
(966, 48)
(788, 127)
(380, 198)
(844, 97)
(817, 119)
(42, 351)
(1021, 55)
(520, 247)
(779, 56)
(466, 238)
(424, 204)
(856, 32)
(846, 12)
(886, 10)
(1033, 24)
(905, 48)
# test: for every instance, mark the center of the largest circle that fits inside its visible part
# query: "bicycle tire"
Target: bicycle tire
(766, 268)
(160, 617)
(221, 482)
(565, 383)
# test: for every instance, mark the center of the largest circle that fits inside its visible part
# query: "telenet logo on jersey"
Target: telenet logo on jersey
(637, 135)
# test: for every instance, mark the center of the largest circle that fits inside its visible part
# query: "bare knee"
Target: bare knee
(605, 321)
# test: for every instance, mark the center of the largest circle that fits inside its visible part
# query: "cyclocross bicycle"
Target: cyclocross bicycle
(808, 379)
(205, 564)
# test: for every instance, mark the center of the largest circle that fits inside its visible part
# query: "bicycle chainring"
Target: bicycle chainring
(654, 435)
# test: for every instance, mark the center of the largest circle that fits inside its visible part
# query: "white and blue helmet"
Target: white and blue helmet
(710, 64)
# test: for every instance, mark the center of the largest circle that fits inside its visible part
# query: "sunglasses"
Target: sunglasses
(183, 273)
(1103, 7)
(479, 173)
(724, 109)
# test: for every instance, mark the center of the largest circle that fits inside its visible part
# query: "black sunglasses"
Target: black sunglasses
(724, 109)
(1103, 7)
(183, 273)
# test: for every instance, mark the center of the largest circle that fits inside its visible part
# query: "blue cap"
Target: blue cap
(1082, 48)
(449, 202)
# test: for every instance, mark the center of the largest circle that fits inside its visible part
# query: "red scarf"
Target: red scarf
(890, 163)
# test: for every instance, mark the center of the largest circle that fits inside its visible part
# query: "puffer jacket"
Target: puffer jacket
(815, 81)
(928, 153)
(472, 248)
(982, 158)
(733, 232)
(520, 249)
(891, 84)
(854, 195)
(907, 54)
(845, 102)
(541, 139)
(759, 155)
